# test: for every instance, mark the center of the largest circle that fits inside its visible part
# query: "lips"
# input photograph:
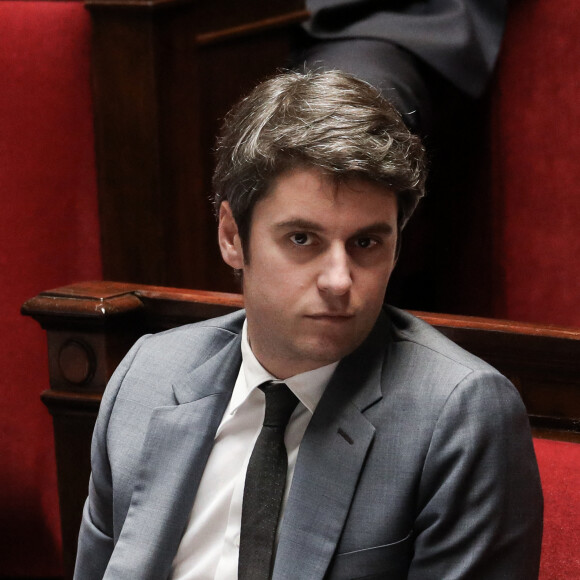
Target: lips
(331, 316)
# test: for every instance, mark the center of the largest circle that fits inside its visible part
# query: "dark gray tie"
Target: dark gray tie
(264, 486)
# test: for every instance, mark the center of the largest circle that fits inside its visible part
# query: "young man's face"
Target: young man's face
(320, 257)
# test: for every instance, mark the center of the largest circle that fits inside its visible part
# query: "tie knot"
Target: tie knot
(280, 403)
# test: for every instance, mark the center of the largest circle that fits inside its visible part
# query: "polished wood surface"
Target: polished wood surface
(91, 326)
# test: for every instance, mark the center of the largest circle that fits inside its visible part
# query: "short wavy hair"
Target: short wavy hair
(328, 120)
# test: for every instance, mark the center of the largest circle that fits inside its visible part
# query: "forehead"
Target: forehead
(312, 191)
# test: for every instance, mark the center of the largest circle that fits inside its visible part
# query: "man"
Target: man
(406, 456)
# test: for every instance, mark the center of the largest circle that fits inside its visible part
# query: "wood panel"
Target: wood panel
(164, 74)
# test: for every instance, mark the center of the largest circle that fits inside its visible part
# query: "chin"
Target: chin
(327, 352)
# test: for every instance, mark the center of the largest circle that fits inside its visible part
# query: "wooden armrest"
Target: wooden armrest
(92, 325)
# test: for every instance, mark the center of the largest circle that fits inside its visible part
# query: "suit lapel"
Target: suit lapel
(330, 461)
(178, 442)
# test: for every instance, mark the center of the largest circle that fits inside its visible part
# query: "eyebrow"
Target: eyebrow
(302, 224)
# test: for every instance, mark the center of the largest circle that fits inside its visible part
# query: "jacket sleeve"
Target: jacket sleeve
(458, 38)
(96, 536)
(479, 514)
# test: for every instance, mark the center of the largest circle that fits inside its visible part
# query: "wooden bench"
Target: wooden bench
(90, 327)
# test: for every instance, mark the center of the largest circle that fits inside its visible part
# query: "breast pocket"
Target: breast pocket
(387, 562)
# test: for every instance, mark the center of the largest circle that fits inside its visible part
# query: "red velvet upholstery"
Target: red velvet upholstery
(560, 472)
(49, 236)
(535, 152)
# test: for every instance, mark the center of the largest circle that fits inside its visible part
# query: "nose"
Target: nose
(335, 276)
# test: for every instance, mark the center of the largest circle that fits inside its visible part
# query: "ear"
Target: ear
(229, 238)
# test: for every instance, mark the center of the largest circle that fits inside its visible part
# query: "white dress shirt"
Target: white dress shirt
(210, 546)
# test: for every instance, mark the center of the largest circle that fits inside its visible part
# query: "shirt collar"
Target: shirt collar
(308, 386)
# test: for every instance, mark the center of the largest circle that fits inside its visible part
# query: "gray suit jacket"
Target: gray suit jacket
(417, 463)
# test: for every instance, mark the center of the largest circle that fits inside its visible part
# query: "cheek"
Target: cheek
(284, 273)
(375, 280)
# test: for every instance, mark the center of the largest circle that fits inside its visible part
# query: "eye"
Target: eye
(301, 239)
(365, 242)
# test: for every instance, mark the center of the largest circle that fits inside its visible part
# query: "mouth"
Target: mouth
(331, 316)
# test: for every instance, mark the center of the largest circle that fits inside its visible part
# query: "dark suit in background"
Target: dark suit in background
(407, 48)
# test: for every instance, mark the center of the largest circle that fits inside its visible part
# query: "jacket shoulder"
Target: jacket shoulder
(430, 342)
(427, 369)
(194, 342)
(158, 361)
